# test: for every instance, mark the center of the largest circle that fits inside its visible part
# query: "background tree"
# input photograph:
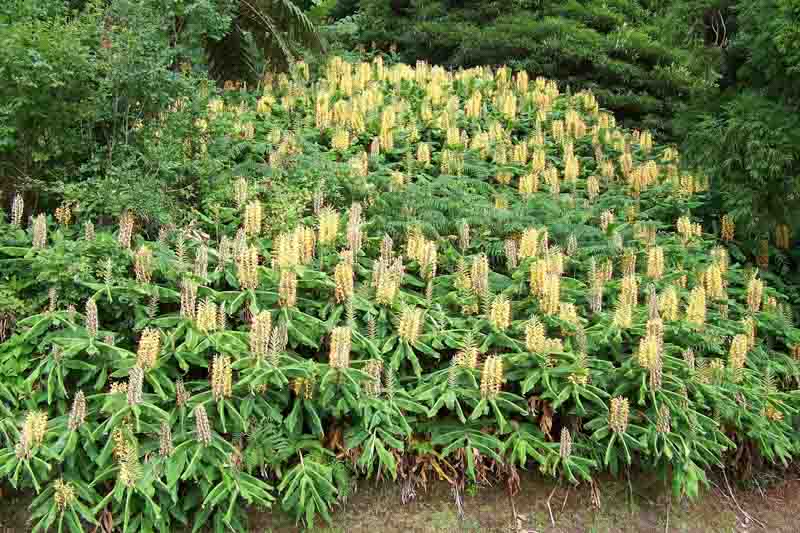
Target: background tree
(275, 29)
(746, 136)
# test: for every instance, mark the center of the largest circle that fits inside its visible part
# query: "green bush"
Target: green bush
(77, 83)
(86, 82)
(532, 292)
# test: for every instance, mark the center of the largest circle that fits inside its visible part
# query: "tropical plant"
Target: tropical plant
(489, 275)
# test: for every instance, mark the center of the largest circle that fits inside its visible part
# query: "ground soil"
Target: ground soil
(765, 503)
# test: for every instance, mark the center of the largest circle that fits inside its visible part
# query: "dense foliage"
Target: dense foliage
(746, 136)
(81, 78)
(718, 77)
(643, 60)
(485, 274)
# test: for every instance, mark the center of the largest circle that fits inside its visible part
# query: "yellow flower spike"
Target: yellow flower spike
(663, 421)
(387, 138)
(538, 161)
(64, 215)
(287, 288)
(63, 494)
(500, 155)
(571, 168)
(728, 228)
(618, 414)
(202, 425)
(552, 179)
(149, 348)
(755, 295)
(504, 177)
(592, 188)
(339, 356)
(535, 339)
(737, 355)
(88, 231)
(409, 325)
(655, 262)
(260, 330)
(685, 228)
(253, 216)
(424, 154)
(165, 447)
(40, 231)
(387, 248)
(557, 127)
(453, 137)
(500, 313)
(629, 290)
(715, 285)
(491, 377)
(397, 181)
(565, 444)
(668, 304)
(34, 427)
(528, 243)
(207, 316)
(143, 265)
(720, 256)
(649, 352)
(340, 140)
(135, 385)
(512, 253)
(528, 185)
(606, 219)
(221, 377)
(550, 301)
(568, 313)
(623, 314)
(188, 298)
(328, 226)
(474, 105)
(480, 275)
(126, 223)
(201, 262)
(749, 325)
(374, 369)
(17, 210)
(288, 249)
(77, 415)
(387, 276)
(92, 323)
(343, 278)
(696, 310)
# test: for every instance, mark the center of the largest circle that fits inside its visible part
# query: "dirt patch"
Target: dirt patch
(13, 511)
(643, 505)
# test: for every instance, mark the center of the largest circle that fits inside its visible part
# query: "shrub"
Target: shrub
(493, 276)
(83, 77)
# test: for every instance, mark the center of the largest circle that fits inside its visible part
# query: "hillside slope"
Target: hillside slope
(406, 273)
